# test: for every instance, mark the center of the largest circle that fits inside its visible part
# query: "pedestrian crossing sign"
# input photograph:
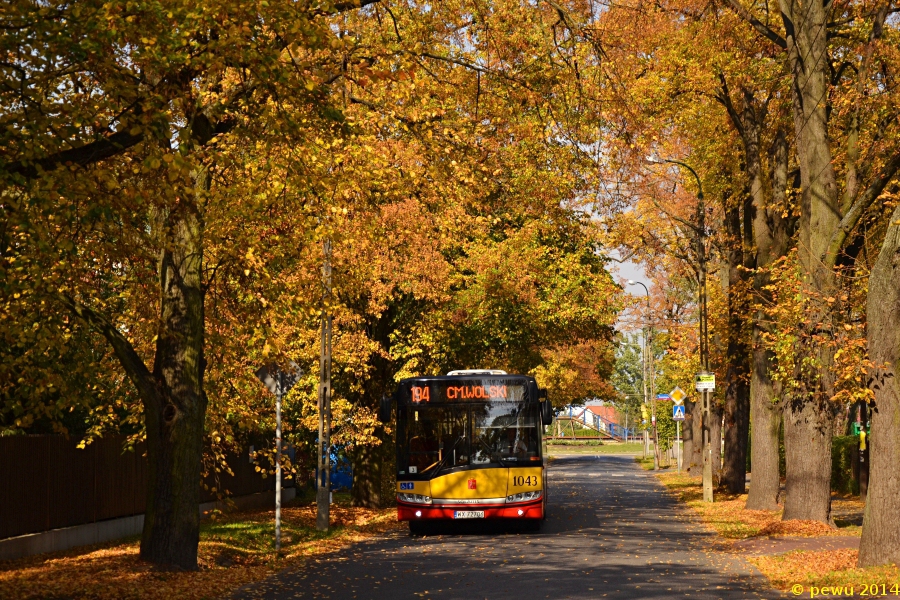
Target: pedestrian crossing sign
(678, 412)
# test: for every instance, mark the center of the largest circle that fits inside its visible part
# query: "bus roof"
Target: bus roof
(468, 376)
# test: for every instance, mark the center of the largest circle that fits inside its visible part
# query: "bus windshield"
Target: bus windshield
(439, 437)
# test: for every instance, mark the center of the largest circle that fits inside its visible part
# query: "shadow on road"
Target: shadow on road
(612, 531)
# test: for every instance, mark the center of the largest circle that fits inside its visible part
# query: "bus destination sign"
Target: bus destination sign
(459, 392)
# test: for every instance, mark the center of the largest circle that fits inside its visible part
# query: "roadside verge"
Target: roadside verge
(806, 558)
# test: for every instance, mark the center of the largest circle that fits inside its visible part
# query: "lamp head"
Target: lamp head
(631, 282)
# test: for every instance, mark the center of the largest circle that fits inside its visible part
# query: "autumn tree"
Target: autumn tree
(177, 196)
(840, 113)
(515, 274)
(628, 378)
(109, 145)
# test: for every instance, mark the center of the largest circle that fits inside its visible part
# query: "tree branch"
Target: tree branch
(134, 366)
(81, 156)
(474, 67)
(205, 123)
(763, 29)
(853, 175)
(858, 209)
(723, 95)
(340, 7)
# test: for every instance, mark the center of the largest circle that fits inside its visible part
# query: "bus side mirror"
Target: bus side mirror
(384, 410)
(542, 394)
(546, 412)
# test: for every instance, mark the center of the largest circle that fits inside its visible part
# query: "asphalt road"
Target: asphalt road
(612, 532)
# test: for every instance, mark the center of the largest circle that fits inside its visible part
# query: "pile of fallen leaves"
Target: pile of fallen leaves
(825, 569)
(234, 550)
(796, 527)
(785, 570)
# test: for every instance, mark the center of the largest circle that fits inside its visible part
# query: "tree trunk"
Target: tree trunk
(737, 432)
(880, 543)
(175, 415)
(696, 457)
(687, 436)
(772, 234)
(768, 231)
(715, 440)
(367, 476)
(807, 439)
(808, 420)
(172, 394)
(737, 386)
(765, 417)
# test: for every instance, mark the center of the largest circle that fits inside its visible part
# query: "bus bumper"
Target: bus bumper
(426, 512)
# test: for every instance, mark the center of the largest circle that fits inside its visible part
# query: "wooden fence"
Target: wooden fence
(46, 482)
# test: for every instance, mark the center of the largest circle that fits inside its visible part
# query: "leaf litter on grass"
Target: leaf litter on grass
(824, 569)
(820, 568)
(728, 517)
(234, 551)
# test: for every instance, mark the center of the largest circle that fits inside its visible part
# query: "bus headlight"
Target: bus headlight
(524, 496)
(414, 498)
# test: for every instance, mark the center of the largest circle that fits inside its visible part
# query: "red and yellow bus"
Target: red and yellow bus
(469, 446)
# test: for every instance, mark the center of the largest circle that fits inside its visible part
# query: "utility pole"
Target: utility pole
(323, 476)
(651, 368)
(704, 343)
(649, 383)
(678, 445)
(860, 427)
(644, 381)
(705, 396)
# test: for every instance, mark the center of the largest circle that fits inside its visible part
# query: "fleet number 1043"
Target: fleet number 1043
(520, 481)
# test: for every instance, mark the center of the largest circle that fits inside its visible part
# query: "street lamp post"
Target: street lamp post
(705, 397)
(649, 375)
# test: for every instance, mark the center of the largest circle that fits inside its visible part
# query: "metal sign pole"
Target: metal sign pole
(323, 478)
(279, 382)
(678, 445)
(278, 463)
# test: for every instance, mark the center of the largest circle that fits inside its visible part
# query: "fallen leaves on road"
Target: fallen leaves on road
(234, 551)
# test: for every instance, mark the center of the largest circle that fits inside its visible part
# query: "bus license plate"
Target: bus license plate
(468, 514)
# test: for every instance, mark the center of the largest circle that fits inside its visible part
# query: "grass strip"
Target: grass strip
(607, 448)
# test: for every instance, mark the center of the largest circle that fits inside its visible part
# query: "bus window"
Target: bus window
(435, 437)
(505, 432)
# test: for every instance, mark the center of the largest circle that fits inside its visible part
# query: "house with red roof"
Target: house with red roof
(605, 412)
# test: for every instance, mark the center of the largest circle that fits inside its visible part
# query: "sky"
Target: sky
(621, 273)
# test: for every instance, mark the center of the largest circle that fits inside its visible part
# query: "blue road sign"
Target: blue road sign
(678, 412)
